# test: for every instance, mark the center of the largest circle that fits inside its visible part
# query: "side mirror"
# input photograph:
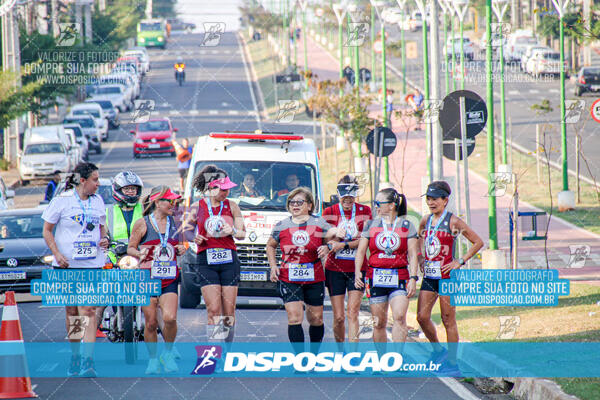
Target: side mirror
(10, 194)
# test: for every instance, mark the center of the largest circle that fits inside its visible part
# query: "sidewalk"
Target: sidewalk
(408, 179)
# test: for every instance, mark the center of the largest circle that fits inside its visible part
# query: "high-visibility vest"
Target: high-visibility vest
(117, 226)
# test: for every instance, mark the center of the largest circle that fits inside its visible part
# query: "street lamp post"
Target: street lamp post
(422, 9)
(499, 7)
(566, 198)
(356, 14)
(461, 10)
(378, 5)
(303, 4)
(402, 4)
(493, 231)
(339, 10)
(445, 11)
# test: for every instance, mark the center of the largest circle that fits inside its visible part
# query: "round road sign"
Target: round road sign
(595, 110)
(389, 141)
(475, 113)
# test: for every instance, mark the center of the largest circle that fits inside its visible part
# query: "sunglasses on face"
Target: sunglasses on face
(379, 203)
(171, 202)
(297, 202)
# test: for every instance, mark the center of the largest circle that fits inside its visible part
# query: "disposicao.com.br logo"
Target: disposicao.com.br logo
(368, 362)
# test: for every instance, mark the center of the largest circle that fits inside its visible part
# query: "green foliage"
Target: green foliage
(261, 19)
(394, 48)
(14, 101)
(542, 108)
(164, 8)
(118, 23)
(574, 27)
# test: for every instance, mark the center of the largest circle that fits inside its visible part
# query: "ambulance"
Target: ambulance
(265, 166)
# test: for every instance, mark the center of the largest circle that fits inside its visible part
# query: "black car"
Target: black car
(588, 80)
(179, 25)
(23, 251)
(109, 110)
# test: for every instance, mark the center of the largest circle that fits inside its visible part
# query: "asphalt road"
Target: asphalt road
(216, 96)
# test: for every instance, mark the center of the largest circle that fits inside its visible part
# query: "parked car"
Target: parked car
(529, 49)
(131, 88)
(118, 94)
(453, 45)
(104, 191)
(392, 15)
(54, 133)
(82, 140)
(517, 43)
(95, 110)
(110, 111)
(88, 125)
(41, 159)
(24, 252)
(153, 137)
(588, 80)
(142, 58)
(7, 196)
(544, 62)
(179, 25)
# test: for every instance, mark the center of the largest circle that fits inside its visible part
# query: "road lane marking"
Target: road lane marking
(213, 112)
(173, 112)
(459, 389)
(233, 112)
(533, 91)
(513, 92)
(554, 91)
(194, 112)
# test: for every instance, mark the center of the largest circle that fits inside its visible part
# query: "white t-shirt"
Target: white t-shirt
(76, 243)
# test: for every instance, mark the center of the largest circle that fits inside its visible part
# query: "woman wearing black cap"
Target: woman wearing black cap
(437, 235)
(349, 217)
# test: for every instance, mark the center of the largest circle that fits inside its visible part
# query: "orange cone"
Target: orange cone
(10, 331)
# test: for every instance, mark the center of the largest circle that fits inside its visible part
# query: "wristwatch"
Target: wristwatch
(346, 246)
(415, 277)
(329, 246)
(462, 261)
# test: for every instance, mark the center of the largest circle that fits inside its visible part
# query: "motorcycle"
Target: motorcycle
(123, 323)
(180, 75)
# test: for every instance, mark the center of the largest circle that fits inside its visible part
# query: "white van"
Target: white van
(53, 133)
(270, 158)
(96, 112)
(41, 158)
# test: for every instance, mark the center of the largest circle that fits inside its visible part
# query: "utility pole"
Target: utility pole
(436, 133)
(54, 18)
(88, 22)
(102, 5)
(587, 49)
(149, 9)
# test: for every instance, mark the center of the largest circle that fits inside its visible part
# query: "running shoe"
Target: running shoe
(438, 357)
(87, 369)
(75, 366)
(448, 369)
(153, 367)
(176, 353)
(168, 361)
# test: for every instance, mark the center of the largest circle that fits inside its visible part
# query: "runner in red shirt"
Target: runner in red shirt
(392, 242)
(302, 239)
(216, 265)
(349, 217)
(156, 237)
(438, 232)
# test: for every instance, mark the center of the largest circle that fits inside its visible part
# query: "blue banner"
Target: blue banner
(515, 359)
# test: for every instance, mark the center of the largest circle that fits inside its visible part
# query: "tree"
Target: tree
(14, 101)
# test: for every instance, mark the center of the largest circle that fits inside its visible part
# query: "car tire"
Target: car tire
(578, 91)
(129, 335)
(24, 182)
(187, 299)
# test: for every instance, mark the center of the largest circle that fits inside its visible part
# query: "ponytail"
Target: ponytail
(147, 204)
(207, 175)
(82, 170)
(398, 199)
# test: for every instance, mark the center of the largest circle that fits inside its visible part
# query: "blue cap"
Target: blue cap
(436, 192)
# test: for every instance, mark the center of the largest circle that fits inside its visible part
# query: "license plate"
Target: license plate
(154, 146)
(595, 87)
(12, 275)
(253, 276)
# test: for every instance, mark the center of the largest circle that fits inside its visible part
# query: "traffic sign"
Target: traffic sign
(364, 75)
(475, 113)
(377, 46)
(448, 149)
(389, 141)
(411, 50)
(288, 78)
(595, 110)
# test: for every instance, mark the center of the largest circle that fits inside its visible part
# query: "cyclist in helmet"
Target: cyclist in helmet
(120, 217)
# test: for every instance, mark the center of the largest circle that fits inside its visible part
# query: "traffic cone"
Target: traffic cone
(10, 331)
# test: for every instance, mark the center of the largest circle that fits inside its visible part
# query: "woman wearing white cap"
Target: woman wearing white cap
(437, 235)
(217, 267)
(155, 243)
(349, 217)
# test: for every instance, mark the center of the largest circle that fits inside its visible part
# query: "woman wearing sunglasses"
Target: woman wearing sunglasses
(438, 232)
(392, 270)
(154, 242)
(349, 217)
(216, 265)
(303, 240)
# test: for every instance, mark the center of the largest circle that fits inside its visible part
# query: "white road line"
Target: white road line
(202, 52)
(233, 112)
(213, 112)
(194, 112)
(258, 121)
(165, 104)
(173, 112)
(496, 94)
(459, 389)
(554, 91)
(215, 51)
(533, 91)
(251, 113)
(513, 92)
(224, 104)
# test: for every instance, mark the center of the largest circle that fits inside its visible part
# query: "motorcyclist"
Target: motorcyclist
(179, 67)
(120, 217)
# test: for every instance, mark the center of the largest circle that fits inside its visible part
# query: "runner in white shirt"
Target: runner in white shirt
(75, 232)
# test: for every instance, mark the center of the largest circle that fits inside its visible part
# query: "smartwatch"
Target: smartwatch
(462, 261)
(415, 277)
